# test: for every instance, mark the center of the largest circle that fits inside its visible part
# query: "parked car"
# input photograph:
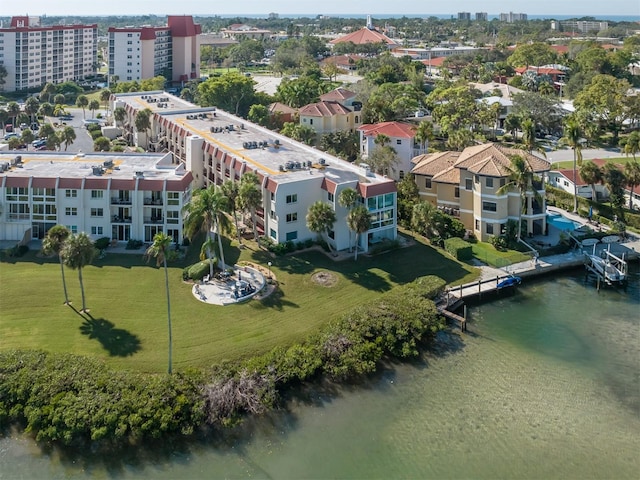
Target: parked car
(9, 136)
(39, 143)
(23, 126)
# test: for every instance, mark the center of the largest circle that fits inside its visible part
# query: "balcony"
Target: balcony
(120, 201)
(153, 201)
(153, 220)
(118, 219)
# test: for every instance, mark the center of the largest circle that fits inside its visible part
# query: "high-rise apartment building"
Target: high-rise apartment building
(464, 15)
(481, 16)
(34, 54)
(137, 53)
(513, 17)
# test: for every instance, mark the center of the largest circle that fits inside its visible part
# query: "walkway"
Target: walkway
(245, 283)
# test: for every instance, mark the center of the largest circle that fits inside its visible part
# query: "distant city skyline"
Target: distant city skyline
(327, 7)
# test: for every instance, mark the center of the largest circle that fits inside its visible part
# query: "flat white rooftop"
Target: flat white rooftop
(264, 150)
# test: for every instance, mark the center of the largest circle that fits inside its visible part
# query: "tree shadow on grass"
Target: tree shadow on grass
(116, 341)
(275, 300)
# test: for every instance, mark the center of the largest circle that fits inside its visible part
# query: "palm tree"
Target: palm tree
(13, 109)
(31, 107)
(160, 249)
(206, 212)
(46, 109)
(119, 114)
(53, 243)
(359, 221)
(250, 198)
(320, 219)
(424, 134)
(93, 106)
(632, 174)
(77, 252)
(632, 144)
(348, 199)
(68, 136)
(4, 116)
(520, 178)
(529, 141)
(232, 192)
(105, 95)
(82, 102)
(572, 136)
(592, 174)
(27, 137)
(59, 99)
(143, 121)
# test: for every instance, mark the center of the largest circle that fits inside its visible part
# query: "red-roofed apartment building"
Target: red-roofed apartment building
(138, 53)
(35, 54)
(367, 34)
(565, 180)
(336, 111)
(401, 139)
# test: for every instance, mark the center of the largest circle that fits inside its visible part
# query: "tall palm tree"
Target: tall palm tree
(27, 137)
(82, 102)
(572, 136)
(250, 197)
(93, 106)
(320, 219)
(53, 243)
(31, 107)
(206, 213)
(119, 114)
(4, 116)
(68, 136)
(592, 174)
(143, 121)
(520, 178)
(632, 174)
(59, 99)
(160, 249)
(348, 199)
(77, 252)
(232, 192)
(105, 95)
(529, 141)
(47, 92)
(359, 221)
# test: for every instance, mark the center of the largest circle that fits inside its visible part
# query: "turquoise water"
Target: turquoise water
(561, 222)
(545, 385)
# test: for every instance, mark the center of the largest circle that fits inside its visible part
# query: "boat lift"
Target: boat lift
(607, 267)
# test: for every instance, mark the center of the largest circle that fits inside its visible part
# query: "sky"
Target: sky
(313, 8)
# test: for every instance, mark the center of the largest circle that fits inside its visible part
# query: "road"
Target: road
(269, 83)
(83, 141)
(565, 154)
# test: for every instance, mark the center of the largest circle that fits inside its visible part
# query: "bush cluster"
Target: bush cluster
(133, 244)
(458, 248)
(196, 271)
(17, 250)
(284, 247)
(77, 401)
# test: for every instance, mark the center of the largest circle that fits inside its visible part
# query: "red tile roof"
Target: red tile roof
(324, 109)
(364, 36)
(390, 129)
(338, 95)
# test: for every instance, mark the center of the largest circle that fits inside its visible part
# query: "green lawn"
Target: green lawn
(485, 252)
(126, 298)
(569, 163)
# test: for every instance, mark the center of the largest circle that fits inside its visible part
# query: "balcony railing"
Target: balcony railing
(118, 219)
(153, 201)
(153, 220)
(120, 201)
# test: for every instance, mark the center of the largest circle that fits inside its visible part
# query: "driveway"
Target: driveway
(83, 141)
(565, 154)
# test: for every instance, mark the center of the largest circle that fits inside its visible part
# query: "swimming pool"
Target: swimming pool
(561, 222)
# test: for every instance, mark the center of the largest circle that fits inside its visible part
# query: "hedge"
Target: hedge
(458, 248)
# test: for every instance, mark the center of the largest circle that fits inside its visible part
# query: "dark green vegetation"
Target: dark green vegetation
(75, 400)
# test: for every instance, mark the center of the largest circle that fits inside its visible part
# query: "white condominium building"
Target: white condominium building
(34, 55)
(137, 53)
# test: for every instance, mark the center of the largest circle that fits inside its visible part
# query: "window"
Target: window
(456, 192)
(490, 228)
(427, 182)
(173, 216)
(97, 193)
(476, 179)
(398, 142)
(272, 233)
(489, 182)
(468, 184)
(330, 197)
(96, 230)
(73, 228)
(503, 181)
(311, 121)
(97, 212)
(292, 217)
(273, 196)
(489, 206)
(272, 214)
(477, 224)
(401, 174)
(292, 198)
(292, 236)
(71, 193)
(71, 211)
(173, 198)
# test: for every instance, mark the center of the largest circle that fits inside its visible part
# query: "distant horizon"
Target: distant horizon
(340, 8)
